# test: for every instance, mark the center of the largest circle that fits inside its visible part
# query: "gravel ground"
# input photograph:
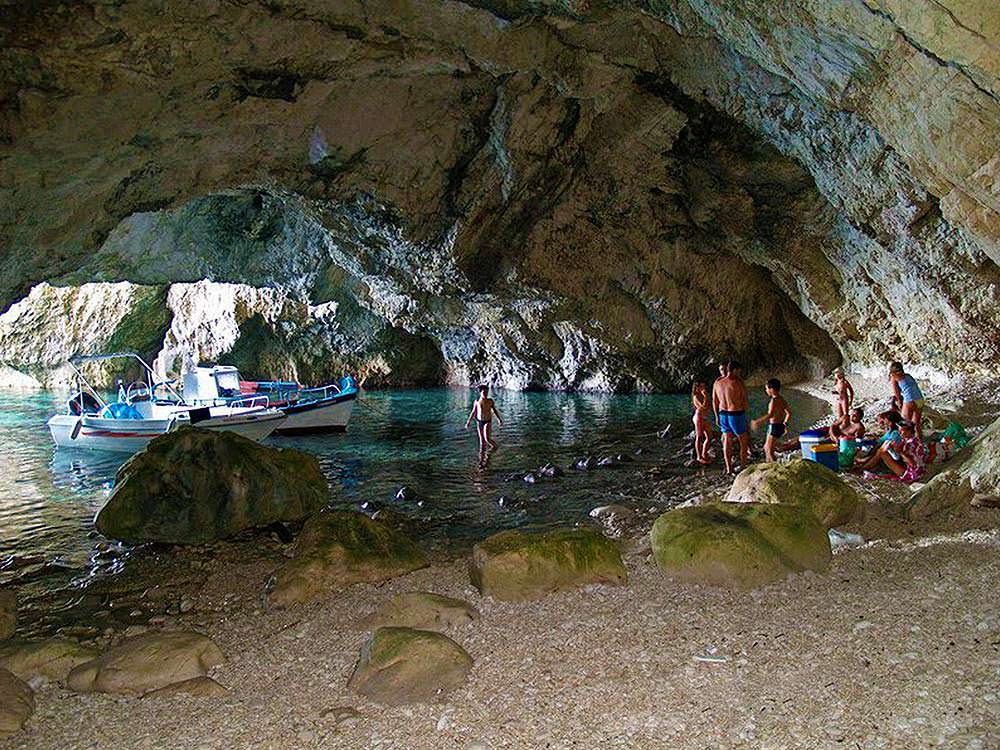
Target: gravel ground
(897, 647)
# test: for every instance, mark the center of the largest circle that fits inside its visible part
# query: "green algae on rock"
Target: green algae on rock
(798, 482)
(519, 565)
(17, 703)
(422, 610)
(147, 662)
(406, 665)
(338, 548)
(192, 486)
(740, 545)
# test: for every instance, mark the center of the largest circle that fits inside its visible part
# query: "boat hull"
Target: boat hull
(318, 417)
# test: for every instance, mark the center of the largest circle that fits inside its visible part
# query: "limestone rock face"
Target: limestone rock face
(338, 548)
(17, 703)
(404, 665)
(971, 475)
(8, 613)
(799, 482)
(739, 545)
(51, 659)
(591, 196)
(192, 486)
(517, 565)
(147, 662)
(422, 610)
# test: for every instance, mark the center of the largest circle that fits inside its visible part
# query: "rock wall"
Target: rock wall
(578, 195)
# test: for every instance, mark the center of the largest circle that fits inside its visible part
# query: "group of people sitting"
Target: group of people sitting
(900, 452)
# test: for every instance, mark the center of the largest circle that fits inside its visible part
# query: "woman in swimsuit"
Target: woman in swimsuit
(702, 424)
(844, 392)
(904, 457)
(906, 395)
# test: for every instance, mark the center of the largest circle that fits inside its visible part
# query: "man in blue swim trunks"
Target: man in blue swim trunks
(730, 403)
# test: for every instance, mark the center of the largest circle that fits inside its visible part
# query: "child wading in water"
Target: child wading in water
(777, 418)
(482, 411)
(844, 392)
(702, 424)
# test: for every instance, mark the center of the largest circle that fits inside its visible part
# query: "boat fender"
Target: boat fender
(76, 428)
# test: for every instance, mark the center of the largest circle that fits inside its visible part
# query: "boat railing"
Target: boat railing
(250, 402)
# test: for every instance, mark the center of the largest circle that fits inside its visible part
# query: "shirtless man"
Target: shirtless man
(483, 410)
(730, 403)
(776, 419)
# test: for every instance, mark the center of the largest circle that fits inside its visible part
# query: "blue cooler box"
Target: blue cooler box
(816, 446)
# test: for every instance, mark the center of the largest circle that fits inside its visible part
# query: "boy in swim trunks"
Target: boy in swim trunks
(730, 403)
(906, 395)
(776, 418)
(482, 411)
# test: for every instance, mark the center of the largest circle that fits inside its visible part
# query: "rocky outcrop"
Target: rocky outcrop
(517, 565)
(404, 665)
(422, 610)
(17, 703)
(337, 549)
(542, 195)
(192, 486)
(8, 613)
(738, 545)
(804, 483)
(52, 659)
(147, 662)
(970, 477)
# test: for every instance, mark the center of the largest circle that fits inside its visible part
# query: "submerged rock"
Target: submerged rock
(17, 703)
(8, 613)
(740, 545)
(422, 610)
(798, 482)
(585, 464)
(338, 548)
(194, 486)
(970, 477)
(517, 565)
(51, 659)
(405, 665)
(147, 662)
(549, 470)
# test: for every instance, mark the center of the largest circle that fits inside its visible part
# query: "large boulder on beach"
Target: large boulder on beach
(970, 477)
(17, 703)
(192, 486)
(521, 565)
(422, 610)
(51, 660)
(337, 549)
(739, 545)
(8, 613)
(799, 482)
(406, 665)
(147, 662)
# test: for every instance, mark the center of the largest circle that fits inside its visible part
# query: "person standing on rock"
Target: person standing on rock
(906, 395)
(482, 411)
(730, 403)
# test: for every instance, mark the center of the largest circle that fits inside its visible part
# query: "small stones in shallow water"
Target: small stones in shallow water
(585, 464)
(530, 478)
(550, 470)
(409, 495)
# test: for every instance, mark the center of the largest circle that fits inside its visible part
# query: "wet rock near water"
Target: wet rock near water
(8, 613)
(338, 548)
(798, 482)
(520, 565)
(147, 662)
(409, 496)
(406, 665)
(422, 610)
(739, 545)
(585, 463)
(193, 486)
(17, 703)
(614, 519)
(49, 660)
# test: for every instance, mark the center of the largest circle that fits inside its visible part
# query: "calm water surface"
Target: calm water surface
(48, 497)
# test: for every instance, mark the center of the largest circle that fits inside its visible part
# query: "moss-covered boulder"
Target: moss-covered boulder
(8, 613)
(338, 548)
(17, 703)
(405, 665)
(798, 482)
(972, 474)
(740, 545)
(519, 565)
(52, 659)
(192, 486)
(422, 610)
(147, 662)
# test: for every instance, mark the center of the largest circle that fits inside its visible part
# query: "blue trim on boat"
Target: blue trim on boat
(317, 403)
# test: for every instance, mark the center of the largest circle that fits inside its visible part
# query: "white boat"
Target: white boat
(146, 409)
(327, 408)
